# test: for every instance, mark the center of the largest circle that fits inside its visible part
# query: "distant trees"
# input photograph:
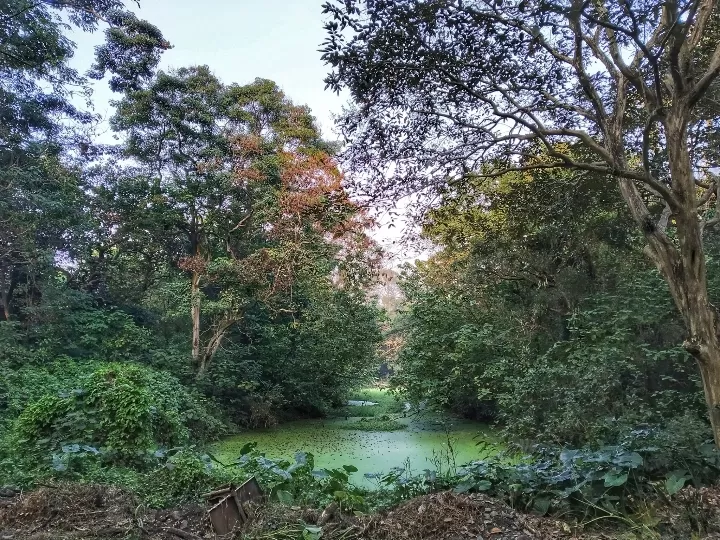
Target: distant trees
(40, 192)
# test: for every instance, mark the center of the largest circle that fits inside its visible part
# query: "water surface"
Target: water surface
(426, 443)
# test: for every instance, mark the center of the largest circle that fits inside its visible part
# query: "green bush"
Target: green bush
(647, 464)
(124, 409)
(184, 477)
(617, 364)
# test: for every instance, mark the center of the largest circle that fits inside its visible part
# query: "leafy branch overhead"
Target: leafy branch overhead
(447, 91)
(455, 78)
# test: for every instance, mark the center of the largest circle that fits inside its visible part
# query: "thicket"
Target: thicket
(540, 314)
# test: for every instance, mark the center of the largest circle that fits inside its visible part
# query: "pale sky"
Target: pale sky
(242, 40)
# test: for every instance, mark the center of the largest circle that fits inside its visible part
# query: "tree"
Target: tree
(238, 187)
(41, 192)
(453, 89)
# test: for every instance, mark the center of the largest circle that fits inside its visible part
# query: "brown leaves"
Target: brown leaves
(195, 264)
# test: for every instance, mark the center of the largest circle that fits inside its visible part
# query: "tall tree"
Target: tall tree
(451, 89)
(40, 190)
(240, 179)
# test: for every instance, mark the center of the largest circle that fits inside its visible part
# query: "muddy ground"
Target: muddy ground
(99, 512)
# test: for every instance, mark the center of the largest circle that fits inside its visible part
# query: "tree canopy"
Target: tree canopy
(451, 90)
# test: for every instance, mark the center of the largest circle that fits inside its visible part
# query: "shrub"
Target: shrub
(648, 463)
(184, 477)
(124, 409)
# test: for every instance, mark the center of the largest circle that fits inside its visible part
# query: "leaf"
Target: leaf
(350, 468)
(282, 473)
(568, 455)
(613, 479)
(312, 533)
(247, 448)
(631, 459)
(284, 497)
(542, 505)
(675, 481)
(58, 464)
(465, 486)
(483, 485)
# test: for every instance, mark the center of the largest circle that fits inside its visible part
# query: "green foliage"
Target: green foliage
(299, 483)
(619, 367)
(183, 477)
(608, 480)
(122, 409)
(303, 365)
(106, 249)
(539, 315)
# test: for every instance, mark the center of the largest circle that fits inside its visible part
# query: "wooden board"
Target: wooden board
(249, 491)
(226, 514)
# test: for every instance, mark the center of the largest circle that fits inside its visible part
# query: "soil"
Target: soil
(86, 512)
(89, 512)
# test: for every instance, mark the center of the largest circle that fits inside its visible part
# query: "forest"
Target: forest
(193, 300)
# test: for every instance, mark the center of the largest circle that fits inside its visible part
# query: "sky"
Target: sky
(242, 40)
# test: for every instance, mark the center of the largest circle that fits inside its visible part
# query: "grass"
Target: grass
(382, 423)
(364, 412)
(386, 404)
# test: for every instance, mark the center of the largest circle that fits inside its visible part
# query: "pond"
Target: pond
(427, 442)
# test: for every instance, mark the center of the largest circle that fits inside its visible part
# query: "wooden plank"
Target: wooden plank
(249, 491)
(217, 493)
(225, 515)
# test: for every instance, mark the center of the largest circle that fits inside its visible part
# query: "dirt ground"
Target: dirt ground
(81, 512)
(86, 512)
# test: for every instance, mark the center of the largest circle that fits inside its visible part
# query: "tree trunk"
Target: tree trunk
(195, 314)
(682, 262)
(710, 372)
(213, 345)
(8, 282)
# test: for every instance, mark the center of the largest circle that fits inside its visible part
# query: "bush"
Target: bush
(184, 477)
(616, 363)
(647, 464)
(123, 409)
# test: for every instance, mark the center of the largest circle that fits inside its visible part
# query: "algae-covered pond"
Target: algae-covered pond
(424, 441)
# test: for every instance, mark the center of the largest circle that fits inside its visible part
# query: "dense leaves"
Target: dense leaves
(447, 92)
(121, 409)
(549, 321)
